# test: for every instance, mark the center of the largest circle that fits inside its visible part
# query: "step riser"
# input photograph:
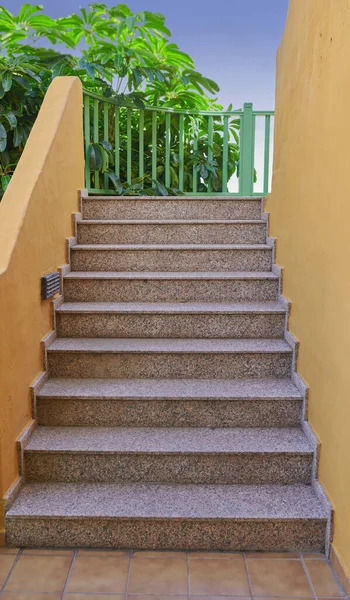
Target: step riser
(168, 413)
(171, 260)
(169, 365)
(122, 290)
(175, 468)
(170, 326)
(176, 208)
(307, 535)
(248, 233)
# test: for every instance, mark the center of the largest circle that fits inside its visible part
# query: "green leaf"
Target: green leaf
(17, 136)
(115, 182)
(160, 188)
(11, 119)
(3, 138)
(7, 81)
(203, 171)
(5, 180)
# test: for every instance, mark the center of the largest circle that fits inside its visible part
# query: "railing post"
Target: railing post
(246, 161)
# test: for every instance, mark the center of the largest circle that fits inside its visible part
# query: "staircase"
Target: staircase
(169, 418)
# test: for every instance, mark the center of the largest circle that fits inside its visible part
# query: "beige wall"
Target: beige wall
(310, 217)
(35, 220)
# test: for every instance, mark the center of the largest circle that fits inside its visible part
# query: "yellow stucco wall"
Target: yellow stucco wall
(35, 220)
(310, 217)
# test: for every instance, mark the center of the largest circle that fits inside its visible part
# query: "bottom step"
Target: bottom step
(151, 516)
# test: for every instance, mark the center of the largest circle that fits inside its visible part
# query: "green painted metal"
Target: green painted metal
(154, 145)
(141, 143)
(95, 127)
(167, 149)
(267, 153)
(128, 147)
(225, 142)
(87, 138)
(126, 128)
(181, 152)
(246, 162)
(117, 142)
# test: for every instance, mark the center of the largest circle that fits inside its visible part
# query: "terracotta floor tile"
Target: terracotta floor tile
(99, 574)
(30, 596)
(103, 552)
(6, 562)
(158, 554)
(319, 556)
(232, 555)
(220, 598)
(158, 576)
(286, 555)
(6, 550)
(93, 597)
(322, 578)
(217, 576)
(281, 578)
(39, 574)
(48, 551)
(150, 597)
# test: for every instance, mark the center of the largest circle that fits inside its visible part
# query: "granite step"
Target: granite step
(90, 286)
(171, 320)
(168, 455)
(178, 257)
(180, 207)
(169, 403)
(172, 231)
(164, 358)
(168, 516)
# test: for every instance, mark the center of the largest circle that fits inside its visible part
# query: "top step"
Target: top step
(171, 207)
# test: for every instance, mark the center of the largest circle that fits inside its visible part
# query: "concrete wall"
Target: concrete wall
(35, 220)
(310, 217)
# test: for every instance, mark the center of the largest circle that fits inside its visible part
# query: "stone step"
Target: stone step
(169, 403)
(169, 358)
(168, 517)
(168, 455)
(171, 320)
(89, 286)
(172, 232)
(180, 207)
(178, 257)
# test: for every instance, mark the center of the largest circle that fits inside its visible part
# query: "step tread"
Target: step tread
(176, 198)
(181, 275)
(172, 307)
(167, 501)
(157, 222)
(170, 247)
(170, 389)
(168, 440)
(169, 345)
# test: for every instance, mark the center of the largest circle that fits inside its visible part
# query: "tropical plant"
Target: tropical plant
(125, 56)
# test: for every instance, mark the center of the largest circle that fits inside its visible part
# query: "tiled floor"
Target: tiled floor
(118, 575)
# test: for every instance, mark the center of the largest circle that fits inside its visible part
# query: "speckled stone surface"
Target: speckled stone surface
(90, 286)
(172, 320)
(169, 403)
(172, 232)
(169, 358)
(175, 516)
(168, 455)
(165, 257)
(171, 208)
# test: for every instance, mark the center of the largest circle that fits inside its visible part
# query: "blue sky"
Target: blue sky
(232, 41)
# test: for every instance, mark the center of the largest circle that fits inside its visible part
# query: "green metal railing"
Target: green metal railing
(196, 152)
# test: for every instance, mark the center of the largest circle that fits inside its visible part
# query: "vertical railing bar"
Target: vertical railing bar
(96, 107)
(253, 151)
(117, 142)
(141, 143)
(225, 155)
(181, 152)
(167, 150)
(195, 149)
(105, 137)
(154, 145)
(210, 147)
(267, 154)
(246, 153)
(128, 146)
(87, 140)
